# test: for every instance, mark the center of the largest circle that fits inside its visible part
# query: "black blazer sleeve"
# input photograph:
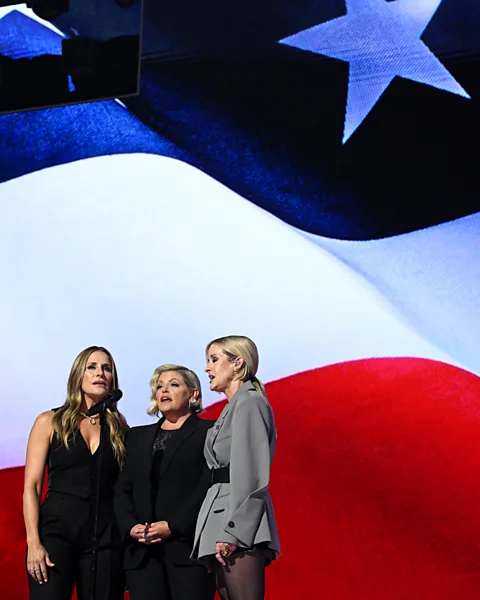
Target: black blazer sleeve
(183, 522)
(123, 495)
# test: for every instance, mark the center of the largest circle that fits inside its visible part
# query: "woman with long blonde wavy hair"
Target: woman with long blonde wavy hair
(60, 531)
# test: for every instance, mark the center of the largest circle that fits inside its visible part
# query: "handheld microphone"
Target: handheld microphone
(110, 398)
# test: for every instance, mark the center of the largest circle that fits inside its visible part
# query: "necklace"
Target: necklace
(93, 420)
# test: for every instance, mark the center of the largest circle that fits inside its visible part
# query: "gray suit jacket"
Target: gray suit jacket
(239, 512)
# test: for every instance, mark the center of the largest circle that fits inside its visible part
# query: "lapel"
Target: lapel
(219, 422)
(211, 437)
(146, 446)
(174, 443)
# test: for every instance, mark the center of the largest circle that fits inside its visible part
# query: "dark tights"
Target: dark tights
(243, 578)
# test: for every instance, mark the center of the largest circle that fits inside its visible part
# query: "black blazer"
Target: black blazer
(183, 484)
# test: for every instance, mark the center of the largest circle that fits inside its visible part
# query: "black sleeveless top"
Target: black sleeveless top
(73, 470)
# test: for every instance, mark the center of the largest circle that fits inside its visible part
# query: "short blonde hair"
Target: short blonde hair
(234, 346)
(190, 379)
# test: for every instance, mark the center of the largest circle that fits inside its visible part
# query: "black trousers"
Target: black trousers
(158, 578)
(66, 528)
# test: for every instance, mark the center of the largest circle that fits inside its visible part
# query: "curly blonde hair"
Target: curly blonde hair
(191, 381)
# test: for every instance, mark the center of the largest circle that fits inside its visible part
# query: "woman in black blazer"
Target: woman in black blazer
(160, 491)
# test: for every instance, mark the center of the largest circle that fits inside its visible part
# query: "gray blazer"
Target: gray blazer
(239, 512)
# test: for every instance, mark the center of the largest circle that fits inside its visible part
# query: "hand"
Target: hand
(223, 551)
(37, 562)
(137, 531)
(156, 533)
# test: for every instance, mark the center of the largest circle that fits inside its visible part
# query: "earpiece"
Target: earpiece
(237, 363)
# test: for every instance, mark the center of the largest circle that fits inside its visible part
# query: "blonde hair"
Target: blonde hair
(190, 379)
(65, 420)
(234, 346)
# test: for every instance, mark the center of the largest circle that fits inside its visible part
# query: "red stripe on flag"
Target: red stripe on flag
(375, 483)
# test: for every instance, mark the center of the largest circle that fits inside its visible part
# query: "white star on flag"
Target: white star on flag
(380, 40)
(5, 10)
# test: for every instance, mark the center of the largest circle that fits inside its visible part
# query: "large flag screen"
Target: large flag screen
(304, 173)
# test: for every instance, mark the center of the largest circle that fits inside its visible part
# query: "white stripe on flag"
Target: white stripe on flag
(152, 258)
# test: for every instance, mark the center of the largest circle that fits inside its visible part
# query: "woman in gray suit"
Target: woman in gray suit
(236, 535)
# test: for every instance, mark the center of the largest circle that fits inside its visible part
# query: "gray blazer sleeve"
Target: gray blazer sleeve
(249, 470)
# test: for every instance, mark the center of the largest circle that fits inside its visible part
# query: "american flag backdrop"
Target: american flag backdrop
(304, 173)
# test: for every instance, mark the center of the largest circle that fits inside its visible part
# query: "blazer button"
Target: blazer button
(231, 524)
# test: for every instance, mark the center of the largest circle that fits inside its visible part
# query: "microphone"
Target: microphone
(100, 407)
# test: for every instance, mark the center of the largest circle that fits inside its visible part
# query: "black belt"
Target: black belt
(221, 475)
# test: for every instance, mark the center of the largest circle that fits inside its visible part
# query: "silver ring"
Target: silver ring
(144, 535)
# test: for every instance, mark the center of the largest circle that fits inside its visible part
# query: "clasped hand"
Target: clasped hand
(151, 533)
